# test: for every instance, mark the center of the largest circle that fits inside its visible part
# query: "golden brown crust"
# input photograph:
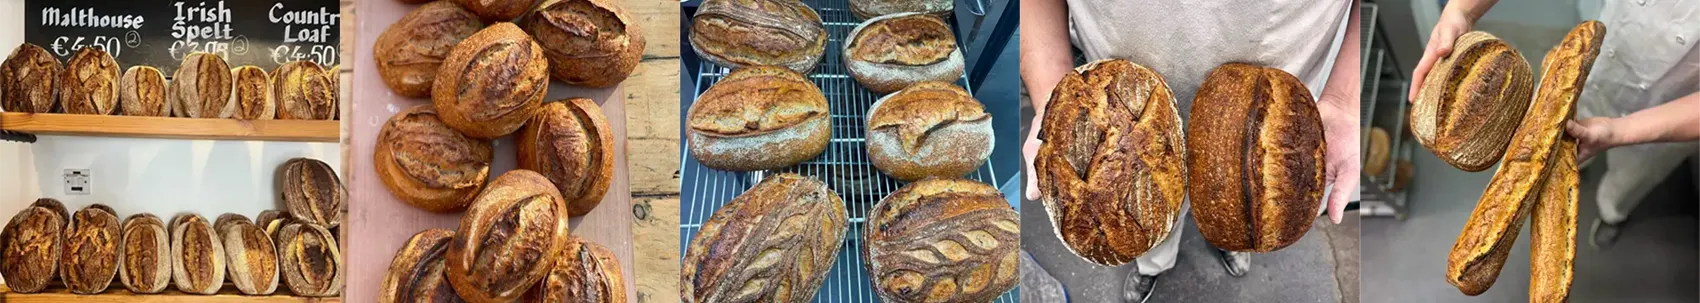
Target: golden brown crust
(758, 118)
(252, 94)
(29, 80)
(197, 256)
(32, 245)
(427, 164)
(491, 82)
(89, 83)
(1485, 243)
(142, 92)
(409, 52)
(570, 142)
(869, 9)
(1471, 102)
(201, 88)
(55, 206)
(942, 240)
(891, 52)
(773, 243)
(90, 257)
(1380, 152)
(1110, 166)
(1552, 246)
(145, 257)
(588, 42)
(1256, 168)
(930, 129)
(747, 33)
(250, 256)
(497, 10)
(585, 273)
(303, 90)
(312, 192)
(508, 239)
(417, 272)
(311, 260)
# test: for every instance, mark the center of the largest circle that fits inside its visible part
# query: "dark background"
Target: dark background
(254, 38)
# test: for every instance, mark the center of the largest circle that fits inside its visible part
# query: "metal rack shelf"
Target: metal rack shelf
(1384, 106)
(844, 166)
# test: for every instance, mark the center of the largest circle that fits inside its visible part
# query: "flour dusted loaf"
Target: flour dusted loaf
(197, 255)
(89, 83)
(250, 257)
(930, 129)
(1256, 168)
(29, 80)
(201, 88)
(509, 239)
(891, 52)
(942, 240)
(312, 192)
(311, 262)
(145, 259)
(253, 93)
(141, 92)
(773, 243)
(304, 90)
(869, 9)
(590, 43)
(1107, 213)
(747, 33)
(570, 142)
(409, 52)
(427, 164)
(758, 118)
(1472, 101)
(491, 82)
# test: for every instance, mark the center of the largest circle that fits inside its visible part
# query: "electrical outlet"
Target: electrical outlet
(77, 182)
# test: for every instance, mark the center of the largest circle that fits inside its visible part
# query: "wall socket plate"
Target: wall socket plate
(77, 182)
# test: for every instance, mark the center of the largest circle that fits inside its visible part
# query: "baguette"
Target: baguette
(1553, 248)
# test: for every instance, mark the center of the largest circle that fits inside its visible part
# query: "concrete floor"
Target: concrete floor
(1654, 259)
(1321, 267)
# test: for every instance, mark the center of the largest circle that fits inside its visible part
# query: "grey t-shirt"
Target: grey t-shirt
(1184, 40)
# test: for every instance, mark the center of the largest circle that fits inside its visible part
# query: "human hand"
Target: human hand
(1593, 135)
(1446, 31)
(1341, 159)
(1029, 148)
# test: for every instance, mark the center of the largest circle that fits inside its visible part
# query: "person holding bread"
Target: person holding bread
(1314, 41)
(1642, 96)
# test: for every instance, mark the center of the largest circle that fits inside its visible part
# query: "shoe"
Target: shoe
(1237, 263)
(1138, 287)
(1602, 234)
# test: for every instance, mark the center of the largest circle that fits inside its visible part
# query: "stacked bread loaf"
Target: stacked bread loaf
(203, 86)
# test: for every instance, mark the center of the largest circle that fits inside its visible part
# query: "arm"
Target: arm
(1455, 20)
(1338, 106)
(1674, 121)
(1045, 58)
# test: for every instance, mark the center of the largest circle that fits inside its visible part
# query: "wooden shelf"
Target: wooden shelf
(117, 293)
(171, 128)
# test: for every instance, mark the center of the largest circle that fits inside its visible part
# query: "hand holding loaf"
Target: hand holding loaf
(1472, 101)
(1255, 160)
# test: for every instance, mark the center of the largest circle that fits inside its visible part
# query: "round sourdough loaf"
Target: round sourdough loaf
(89, 83)
(427, 164)
(303, 90)
(417, 272)
(584, 273)
(145, 259)
(253, 93)
(589, 43)
(29, 80)
(569, 142)
(738, 34)
(32, 243)
(201, 88)
(491, 82)
(931, 129)
(1472, 101)
(1256, 166)
(509, 239)
(91, 250)
(891, 52)
(409, 52)
(942, 240)
(141, 92)
(758, 118)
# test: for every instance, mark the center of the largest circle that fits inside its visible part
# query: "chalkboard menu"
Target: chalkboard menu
(159, 33)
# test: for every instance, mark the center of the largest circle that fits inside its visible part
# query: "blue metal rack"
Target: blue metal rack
(844, 166)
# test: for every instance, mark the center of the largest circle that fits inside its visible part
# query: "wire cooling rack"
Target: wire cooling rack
(844, 166)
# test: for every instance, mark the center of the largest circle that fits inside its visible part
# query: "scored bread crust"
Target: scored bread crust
(1472, 101)
(142, 92)
(570, 142)
(739, 34)
(201, 88)
(252, 93)
(197, 255)
(585, 272)
(251, 257)
(89, 83)
(491, 83)
(783, 233)
(930, 129)
(30, 264)
(429, 165)
(29, 80)
(758, 118)
(1111, 167)
(888, 76)
(865, 9)
(508, 239)
(589, 43)
(942, 240)
(90, 257)
(145, 257)
(1256, 167)
(416, 273)
(304, 90)
(1486, 241)
(310, 262)
(410, 50)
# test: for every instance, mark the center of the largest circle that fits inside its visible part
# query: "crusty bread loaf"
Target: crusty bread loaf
(740, 34)
(312, 192)
(1511, 195)
(29, 80)
(1380, 152)
(89, 83)
(932, 129)
(589, 43)
(1109, 214)
(498, 10)
(32, 243)
(758, 118)
(1552, 228)
(1472, 101)
(942, 240)
(891, 52)
(1256, 167)
(409, 52)
(250, 257)
(141, 92)
(584, 273)
(252, 93)
(491, 82)
(569, 142)
(426, 164)
(509, 239)
(197, 256)
(868, 9)
(311, 263)
(416, 273)
(90, 259)
(775, 242)
(201, 88)
(303, 91)
(145, 257)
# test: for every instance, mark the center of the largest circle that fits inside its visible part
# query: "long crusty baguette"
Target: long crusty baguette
(1552, 251)
(1481, 249)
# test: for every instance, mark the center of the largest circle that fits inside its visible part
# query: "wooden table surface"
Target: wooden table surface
(381, 224)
